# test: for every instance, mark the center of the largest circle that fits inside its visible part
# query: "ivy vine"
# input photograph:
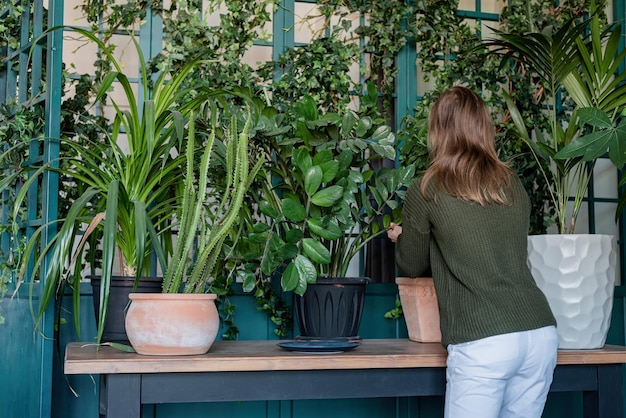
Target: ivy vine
(450, 52)
(367, 35)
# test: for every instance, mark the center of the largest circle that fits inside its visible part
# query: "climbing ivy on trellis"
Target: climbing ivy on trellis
(366, 34)
(450, 53)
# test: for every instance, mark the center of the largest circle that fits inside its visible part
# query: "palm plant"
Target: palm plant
(573, 62)
(599, 91)
(130, 184)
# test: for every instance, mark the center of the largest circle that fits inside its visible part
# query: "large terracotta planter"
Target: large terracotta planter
(331, 309)
(420, 308)
(576, 272)
(172, 324)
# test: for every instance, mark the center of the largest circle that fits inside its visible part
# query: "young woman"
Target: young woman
(467, 221)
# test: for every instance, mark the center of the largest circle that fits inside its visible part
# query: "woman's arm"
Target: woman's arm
(413, 237)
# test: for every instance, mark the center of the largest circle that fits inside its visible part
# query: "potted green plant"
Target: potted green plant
(183, 318)
(130, 183)
(577, 64)
(325, 201)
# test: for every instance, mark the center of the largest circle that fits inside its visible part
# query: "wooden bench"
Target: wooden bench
(259, 370)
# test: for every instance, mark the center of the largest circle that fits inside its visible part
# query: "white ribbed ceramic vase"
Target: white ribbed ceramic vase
(576, 272)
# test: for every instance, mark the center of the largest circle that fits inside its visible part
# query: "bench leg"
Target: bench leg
(123, 396)
(608, 400)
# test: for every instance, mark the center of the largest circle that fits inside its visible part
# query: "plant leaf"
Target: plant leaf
(328, 230)
(316, 251)
(290, 279)
(313, 179)
(293, 210)
(328, 196)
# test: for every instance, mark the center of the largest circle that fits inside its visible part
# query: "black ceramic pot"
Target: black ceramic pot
(331, 309)
(121, 287)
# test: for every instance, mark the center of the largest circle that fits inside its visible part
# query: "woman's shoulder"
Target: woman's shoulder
(415, 188)
(517, 186)
(417, 184)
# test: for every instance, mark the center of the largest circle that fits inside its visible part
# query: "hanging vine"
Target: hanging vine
(367, 35)
(450, 52)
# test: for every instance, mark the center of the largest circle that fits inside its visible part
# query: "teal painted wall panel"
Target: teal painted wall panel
(340, 408)
(617, 333)
(253, 324)
(564, 405)
(381, 298)
(20, 361)
(75, 396)
(223, 409)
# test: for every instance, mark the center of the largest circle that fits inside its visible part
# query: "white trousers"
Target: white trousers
(504, 376)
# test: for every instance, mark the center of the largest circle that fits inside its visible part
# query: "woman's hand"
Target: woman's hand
(394, 231)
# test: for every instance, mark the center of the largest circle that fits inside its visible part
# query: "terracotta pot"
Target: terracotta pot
(172, 324)
(420, 308)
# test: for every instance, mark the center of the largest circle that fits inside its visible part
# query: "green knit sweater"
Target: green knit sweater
(477, 255)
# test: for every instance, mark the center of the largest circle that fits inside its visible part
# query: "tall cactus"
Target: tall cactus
(196, 223)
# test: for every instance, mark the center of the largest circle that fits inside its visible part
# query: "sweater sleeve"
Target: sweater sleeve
(413, 245)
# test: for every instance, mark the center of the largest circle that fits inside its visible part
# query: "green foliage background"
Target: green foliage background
(447, 47)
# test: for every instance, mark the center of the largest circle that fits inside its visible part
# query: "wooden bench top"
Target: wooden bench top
(262, 355)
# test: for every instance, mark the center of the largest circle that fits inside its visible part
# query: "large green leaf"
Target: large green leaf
(363, 127)
(293, 235)
(617, 152)
(290, 279)
(323, 156)
(267, 209)
(383, 134)
(306, 108)
(348, 121)
(385, 151)
(293, 210)
(329, 230)
(306, 269)
(599, 142)
(330, 170)
(108, 251)
(328, 196)
(302, 159)
(316, 251)
(313, 179)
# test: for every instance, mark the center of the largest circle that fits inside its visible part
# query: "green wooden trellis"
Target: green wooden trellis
(23, 87)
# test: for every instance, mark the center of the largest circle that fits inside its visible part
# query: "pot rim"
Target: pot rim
(172, 296)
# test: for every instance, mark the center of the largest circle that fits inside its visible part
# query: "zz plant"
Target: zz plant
(326, 201)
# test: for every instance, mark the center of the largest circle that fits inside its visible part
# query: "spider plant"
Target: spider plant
(130, 185)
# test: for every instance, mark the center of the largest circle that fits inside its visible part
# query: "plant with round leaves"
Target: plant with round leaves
(326, 201)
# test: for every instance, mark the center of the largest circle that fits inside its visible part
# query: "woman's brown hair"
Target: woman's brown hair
(461, 141)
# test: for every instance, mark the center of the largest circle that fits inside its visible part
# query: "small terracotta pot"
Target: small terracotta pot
(420, 308)
(172, 324)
